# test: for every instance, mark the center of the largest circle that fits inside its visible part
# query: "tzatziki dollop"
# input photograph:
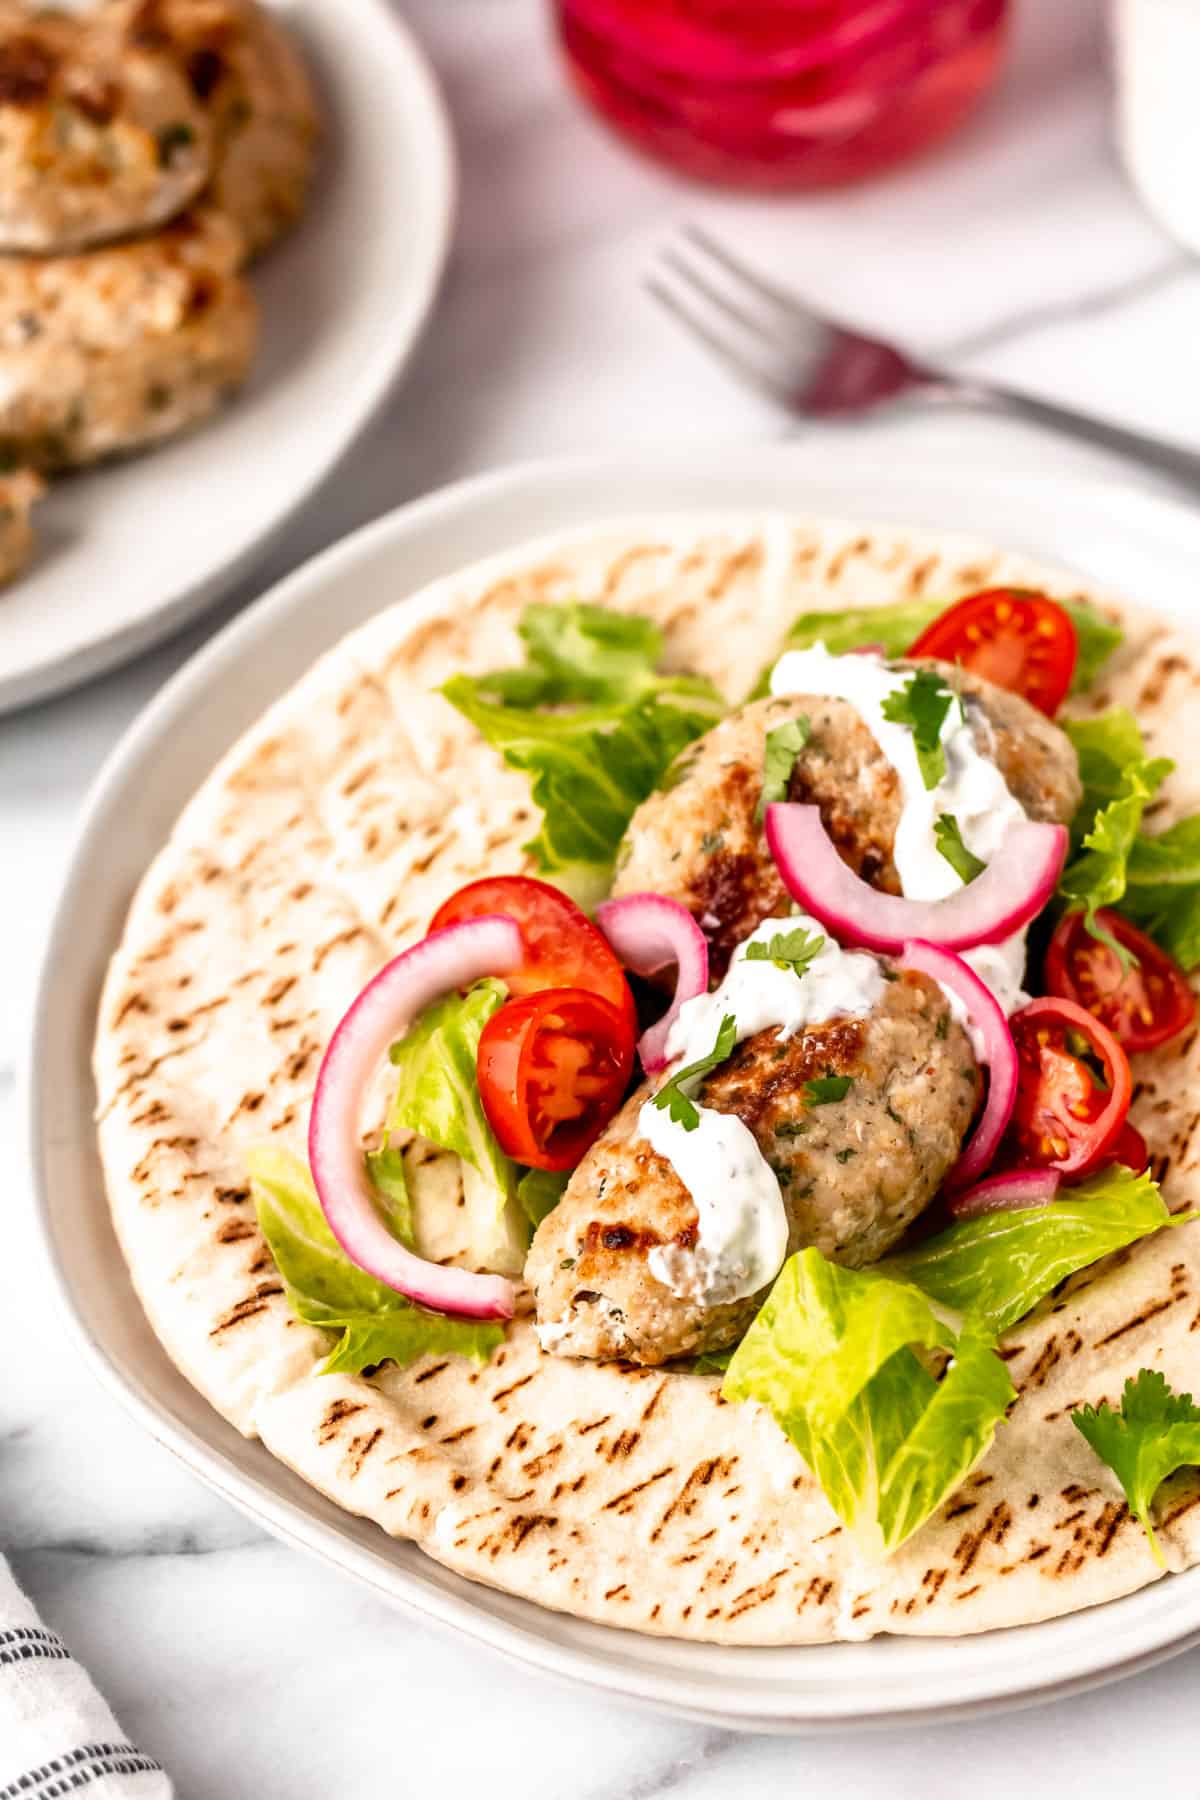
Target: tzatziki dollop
(972, 791)
(742, 1223)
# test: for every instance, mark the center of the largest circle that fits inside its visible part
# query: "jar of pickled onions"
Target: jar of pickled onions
(782, 93)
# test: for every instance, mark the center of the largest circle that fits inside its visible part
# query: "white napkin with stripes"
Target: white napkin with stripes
(57, 1736)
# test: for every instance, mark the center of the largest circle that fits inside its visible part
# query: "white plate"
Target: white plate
(130, 551)
(1146, 547)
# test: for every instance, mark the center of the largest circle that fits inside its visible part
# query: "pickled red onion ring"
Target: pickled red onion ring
(1013, 1191)
(1013, 889)
(995, 1050)
(648, 932)
(447, 959)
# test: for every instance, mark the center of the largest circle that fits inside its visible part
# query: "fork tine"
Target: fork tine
(730, 350)
(695, 276)
(748, 280)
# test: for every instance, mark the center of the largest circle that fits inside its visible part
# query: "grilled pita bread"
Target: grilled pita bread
(318, 849)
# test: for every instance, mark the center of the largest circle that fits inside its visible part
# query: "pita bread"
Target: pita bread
(318, 848)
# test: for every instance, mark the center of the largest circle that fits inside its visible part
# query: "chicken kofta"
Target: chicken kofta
(250, 81)
(857, 1119)
(840, 1088)
(116, 348)
(698, 840)
(101, 136)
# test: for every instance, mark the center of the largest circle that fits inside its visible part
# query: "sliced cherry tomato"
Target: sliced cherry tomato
(562, 946)
(1143, 1005)
(1130, 1149)
(1065, 1118)
(553, 1068)
(1020, 640)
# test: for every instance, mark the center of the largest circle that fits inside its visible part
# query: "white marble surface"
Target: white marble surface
(248, 1670)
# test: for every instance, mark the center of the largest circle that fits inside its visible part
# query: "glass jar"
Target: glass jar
(782, 93)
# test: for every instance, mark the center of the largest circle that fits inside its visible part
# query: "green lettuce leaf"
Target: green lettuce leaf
(579, 653)
(437, 1093)
(994, 1269)
(1118, 779)
(539, 1192)
(898, 627)
(591, 724)
(1163, 889)
(1154, 1433)
(831, 1355)
(325, 1288)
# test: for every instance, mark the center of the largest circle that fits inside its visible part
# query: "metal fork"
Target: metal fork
(821, 370)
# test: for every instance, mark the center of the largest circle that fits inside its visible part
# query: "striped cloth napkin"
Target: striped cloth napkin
(57, 1736)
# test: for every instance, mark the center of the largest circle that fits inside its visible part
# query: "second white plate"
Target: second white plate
(130, 551)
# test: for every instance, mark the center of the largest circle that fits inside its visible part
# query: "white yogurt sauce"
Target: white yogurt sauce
(743, 1227)
(972, 791)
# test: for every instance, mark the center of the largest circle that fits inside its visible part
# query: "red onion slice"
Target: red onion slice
(1013, 1191)
(387, 1006)
(1014, 887)
(998, 1053)
(649, 932)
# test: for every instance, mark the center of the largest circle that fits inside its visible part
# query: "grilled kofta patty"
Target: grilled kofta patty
(250, 81)
(101, 136)
(853, 1174)
(697, 839)
(19, 493)
(120, 347)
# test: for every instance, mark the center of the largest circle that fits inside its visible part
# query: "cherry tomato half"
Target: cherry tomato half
(553, 1068)
(1065, 1118)
(1020, 640)
(562, 946)
(1130, 1149)
(1144, 1005)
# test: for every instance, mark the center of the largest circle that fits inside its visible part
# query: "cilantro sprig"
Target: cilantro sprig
(964, 862)
(1152, 1434)
(671, 1097)
(822, 1090)
(793, 950)
(922, 704)
(782, 747)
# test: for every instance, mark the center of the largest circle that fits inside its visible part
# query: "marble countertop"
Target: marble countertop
(243, 1666)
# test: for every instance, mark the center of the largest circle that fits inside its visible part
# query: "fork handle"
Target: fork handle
(1174, 460)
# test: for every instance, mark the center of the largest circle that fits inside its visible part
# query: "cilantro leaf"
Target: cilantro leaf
(783, 746)
(898, 627)
(1154, 1433)
(826, 1088)
(964, 862)
(922, 704)
(591, 723)
(793, 950)
(323, 1287)
(671, 1096)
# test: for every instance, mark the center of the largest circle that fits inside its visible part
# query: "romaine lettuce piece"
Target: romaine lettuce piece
(1154, 1433)
(591, 723)
(1119, 779)
(437, 1092)
(325, 1288)
(994, 1269)
(539, 1192)
(831, 1355)
(579, 654)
